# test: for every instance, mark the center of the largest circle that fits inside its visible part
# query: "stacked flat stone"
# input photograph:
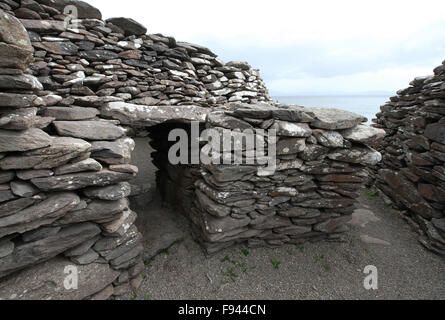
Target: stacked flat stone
(85, 71)
(71, 93)
(412, 171)
(64, 176)
(96, 61)
(321, 156)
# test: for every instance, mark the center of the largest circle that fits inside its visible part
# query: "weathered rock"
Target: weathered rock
(226, 173)
(49, 284)
(273, 223)
(122, 249)
(404, 191)
(327, 203)
(314, 152)
(84, 9)
(132, 114)
(222, 225)
(124, 168)
(61, 151)
(23, 189)
(64, 48)
(220, 119)
(439, 224)
(13, 32)
(334, 119)
(43, 26)
(117, 152)
(14, 100)
(12, 56)
(91, 130)
(366, 156)
(292, 113)
(6, 195)
(19, 119)
(212, 207)
(332, 225)
(20, 82)
(26, 13)
(364, 134)
(40, 234)
(82, 248)
(6, 248)
(97, 210)
(80, 180)
(16, 49)
(290, 146)
(86, 258)
(70, 113)
(129, 26)
(289, 129)
(298, 212)
(128, 259)
(43, 213)
(98, 55)
(23, 141)
(436, 132)
(14, 206)
(116, 192)
(330, 139)
(81, 166)
(124, 221)
(6, 176)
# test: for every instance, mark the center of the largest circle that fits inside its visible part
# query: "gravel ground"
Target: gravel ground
(322, 270)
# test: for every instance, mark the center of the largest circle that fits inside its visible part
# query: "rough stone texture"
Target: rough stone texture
(62, 195)
(43, 213)
(91, 130)
(364, 134)
(72, 113)
(111, 193)
(411, 172)
(14, 100)
(334, 119)
(129, 26)
(23, 141)
(80, 180)
(42, 156)
(85, 165)
(308, 196)
(361, 155)
(15, 45)
(150, 115)
(38, 251)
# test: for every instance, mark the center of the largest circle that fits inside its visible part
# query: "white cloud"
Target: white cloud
(343, 45)
(388, 80)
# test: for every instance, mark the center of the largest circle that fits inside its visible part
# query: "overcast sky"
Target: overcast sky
(306, 47)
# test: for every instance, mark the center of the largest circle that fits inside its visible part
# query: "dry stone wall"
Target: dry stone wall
(412, 171)
(73, 91)
(64, 187)
(65, 168)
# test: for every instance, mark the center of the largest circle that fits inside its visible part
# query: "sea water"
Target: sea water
(367, 106)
